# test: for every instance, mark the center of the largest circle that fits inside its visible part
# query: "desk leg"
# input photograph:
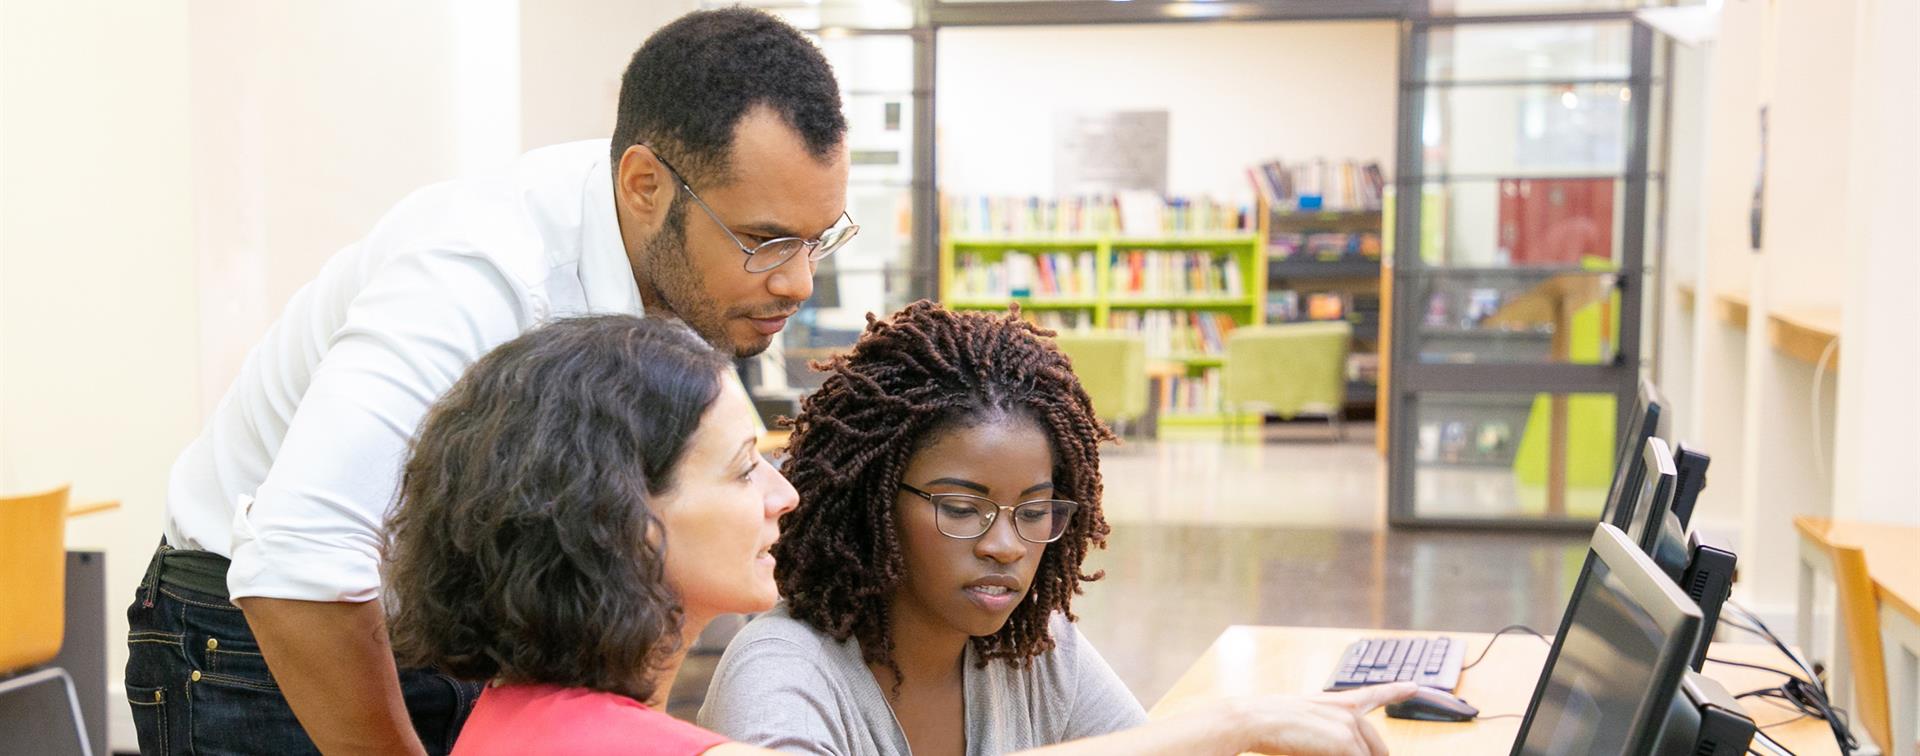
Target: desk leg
(1803, 608)
(1903, 680)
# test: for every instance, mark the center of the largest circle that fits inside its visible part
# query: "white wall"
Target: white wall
(1840, 81)
(311, 120)
(98, 304)
(1876, 450)
(1237, 94)
(573, 52)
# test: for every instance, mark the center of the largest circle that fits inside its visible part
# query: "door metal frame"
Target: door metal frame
(1410, 377)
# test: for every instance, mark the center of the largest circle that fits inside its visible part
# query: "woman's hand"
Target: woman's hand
(1329, 724)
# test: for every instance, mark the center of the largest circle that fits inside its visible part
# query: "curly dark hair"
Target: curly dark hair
(522, 545)
(924, 371)
(688, 86)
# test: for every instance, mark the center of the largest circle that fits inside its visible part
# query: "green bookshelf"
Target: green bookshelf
(1247, 308)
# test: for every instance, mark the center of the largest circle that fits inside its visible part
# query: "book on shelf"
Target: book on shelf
(1288, 245)
(1161, 273)
(1058, 275)
(1189, 394)
(1326, 305)
(1060, 321)
(1176, 333)
(1130, 213)
(1283, 305)
(1319, 185)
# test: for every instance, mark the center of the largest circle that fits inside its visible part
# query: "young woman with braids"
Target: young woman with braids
(949, 481)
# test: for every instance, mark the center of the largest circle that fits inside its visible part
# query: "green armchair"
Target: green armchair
(1290, 370)
(1112, 367)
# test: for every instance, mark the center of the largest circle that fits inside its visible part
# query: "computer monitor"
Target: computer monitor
(1646, 511)
(1643, 423)
(1617, 661)
(1691, 466)
(1703, 572)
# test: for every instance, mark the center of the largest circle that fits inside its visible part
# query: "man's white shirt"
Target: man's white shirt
(296, 469)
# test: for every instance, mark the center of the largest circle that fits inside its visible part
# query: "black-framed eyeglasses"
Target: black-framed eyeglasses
(771, 253)
(967, 516)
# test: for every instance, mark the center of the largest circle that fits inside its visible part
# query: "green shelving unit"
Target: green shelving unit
(1249, 308)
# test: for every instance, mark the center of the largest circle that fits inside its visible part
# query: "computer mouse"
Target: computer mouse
(1433, 705)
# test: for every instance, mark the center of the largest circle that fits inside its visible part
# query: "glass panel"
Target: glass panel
(1503, 316)
(1546, 456)
(1525, 130)
(1523, 222)
(1506, 52)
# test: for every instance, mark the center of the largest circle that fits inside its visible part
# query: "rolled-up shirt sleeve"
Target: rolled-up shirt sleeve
(313, 528)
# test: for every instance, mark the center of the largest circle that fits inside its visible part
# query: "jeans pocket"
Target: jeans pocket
(150, 718)
(230, 718)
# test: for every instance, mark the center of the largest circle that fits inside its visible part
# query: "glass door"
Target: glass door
(1520, 219)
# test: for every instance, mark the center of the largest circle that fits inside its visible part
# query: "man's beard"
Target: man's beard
(679, 288)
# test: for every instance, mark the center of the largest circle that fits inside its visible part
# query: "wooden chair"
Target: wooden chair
(1860, 621)
(33, 582)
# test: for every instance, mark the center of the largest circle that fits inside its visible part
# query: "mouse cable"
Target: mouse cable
(1496, 636)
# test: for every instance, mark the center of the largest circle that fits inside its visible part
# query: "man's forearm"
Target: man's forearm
(335, 667)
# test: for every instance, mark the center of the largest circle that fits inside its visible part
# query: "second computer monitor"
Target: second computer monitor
(1646, 511)
(1618, 659)
(1643, 423)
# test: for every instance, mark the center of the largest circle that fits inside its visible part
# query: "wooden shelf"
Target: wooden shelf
(1341, 268)
(1731, 308)
(1804, 333)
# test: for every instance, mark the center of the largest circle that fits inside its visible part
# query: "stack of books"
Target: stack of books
(1157, 273)
(1060, 275)
(1176, 333)
(1189, 395)
(1315, 185)
(1130, 213)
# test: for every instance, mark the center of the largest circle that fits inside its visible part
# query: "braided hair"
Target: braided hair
(924, 371)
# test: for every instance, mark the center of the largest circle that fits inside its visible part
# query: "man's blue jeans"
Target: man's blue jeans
(198, 684)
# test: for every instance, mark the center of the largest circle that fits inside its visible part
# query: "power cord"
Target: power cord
(1496, 636)
(1808, 694)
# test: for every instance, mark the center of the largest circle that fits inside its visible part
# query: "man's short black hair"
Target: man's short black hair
(688, 86)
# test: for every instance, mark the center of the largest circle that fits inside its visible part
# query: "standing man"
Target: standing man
(258, 627)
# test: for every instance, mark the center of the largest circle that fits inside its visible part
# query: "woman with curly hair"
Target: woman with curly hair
(575, 510)
(949, 479)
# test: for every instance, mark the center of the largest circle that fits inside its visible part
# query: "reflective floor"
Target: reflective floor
(1282, 530)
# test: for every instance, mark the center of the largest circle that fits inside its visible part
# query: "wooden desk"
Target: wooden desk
(1805, 333)
(1297, 660)
(1893, 562)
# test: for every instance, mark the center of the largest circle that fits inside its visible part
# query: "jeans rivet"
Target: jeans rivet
(195, 676)
(212, 644)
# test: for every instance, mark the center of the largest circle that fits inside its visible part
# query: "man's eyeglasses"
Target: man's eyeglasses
(771, 253)
(966, 516)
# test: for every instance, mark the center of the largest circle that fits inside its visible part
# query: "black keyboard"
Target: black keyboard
(1431, 662)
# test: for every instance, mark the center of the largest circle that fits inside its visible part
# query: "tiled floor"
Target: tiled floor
(1286, 530)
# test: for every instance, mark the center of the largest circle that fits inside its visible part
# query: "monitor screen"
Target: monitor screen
(1642, 423)
(1651, 501)
(1617, 661)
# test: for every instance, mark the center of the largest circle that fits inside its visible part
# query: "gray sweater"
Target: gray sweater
(785, 686)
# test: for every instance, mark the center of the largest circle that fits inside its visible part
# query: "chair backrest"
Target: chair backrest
(1112, 367)
(1288, 368)
(1860, 621)
(33, 577)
